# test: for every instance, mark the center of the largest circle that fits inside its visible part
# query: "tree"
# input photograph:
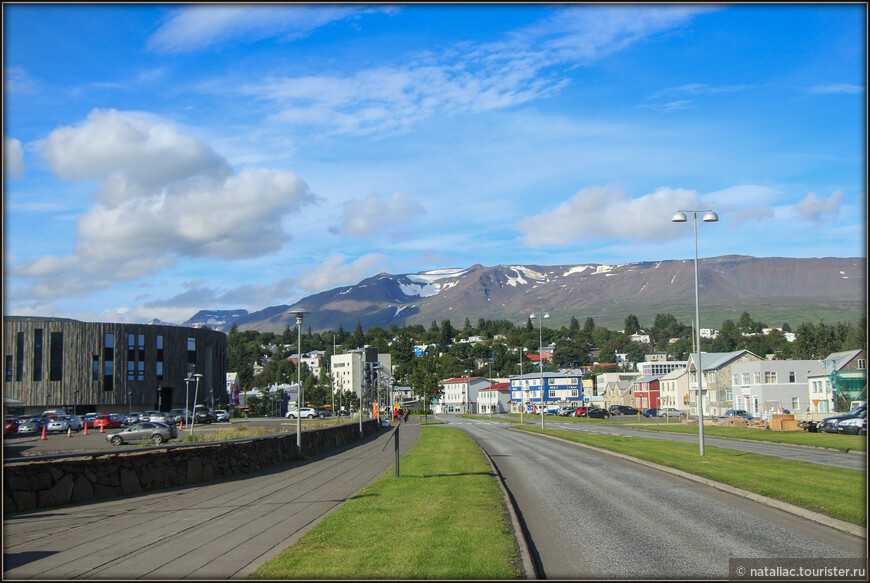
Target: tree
(589, 325)
(632, 325)
(358, 340)
(573, 326)
(426, 378)
(447, 334)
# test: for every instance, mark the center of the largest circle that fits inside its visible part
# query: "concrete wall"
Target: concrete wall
(57, 480)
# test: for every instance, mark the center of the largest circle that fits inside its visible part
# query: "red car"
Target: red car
(579, 411)
(11, 425)
(106, 421)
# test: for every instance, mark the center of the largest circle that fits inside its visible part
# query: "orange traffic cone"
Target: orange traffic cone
(43, 432)
(85, 423)
(102, 425)
(68, 431)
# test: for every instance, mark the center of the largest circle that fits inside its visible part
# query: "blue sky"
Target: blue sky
(160, 159)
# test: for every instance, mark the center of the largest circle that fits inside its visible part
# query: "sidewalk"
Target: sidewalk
(220, 530)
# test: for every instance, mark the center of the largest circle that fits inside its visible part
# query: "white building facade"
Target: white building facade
(765, 385)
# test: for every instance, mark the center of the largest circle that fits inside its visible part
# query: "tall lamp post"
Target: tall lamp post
(298, 314)
(522, 391)
(709, 217)
(187, 382)
(540, 318)
(197, 376)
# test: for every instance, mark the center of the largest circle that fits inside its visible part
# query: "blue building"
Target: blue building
(561, 389)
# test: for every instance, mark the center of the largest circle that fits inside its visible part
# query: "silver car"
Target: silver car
(64, 423)
(154, 432)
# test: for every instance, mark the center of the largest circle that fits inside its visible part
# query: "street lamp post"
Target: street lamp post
(299, 314)
(187, 382)
(522, 391)
(129, 404)
(541, 358)
(197, 376)
(709, 217)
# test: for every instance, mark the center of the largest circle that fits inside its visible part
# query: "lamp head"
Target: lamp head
(680, 217)
(711, 217)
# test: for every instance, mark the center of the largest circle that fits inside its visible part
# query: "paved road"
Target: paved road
(591, 515)
(220, 530)
(852, 461)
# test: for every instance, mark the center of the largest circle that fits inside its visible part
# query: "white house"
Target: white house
(461, 394)
(495, 398)
(674, 389)
(838, 366)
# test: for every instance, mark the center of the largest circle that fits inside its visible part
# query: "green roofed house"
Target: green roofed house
(838, 380)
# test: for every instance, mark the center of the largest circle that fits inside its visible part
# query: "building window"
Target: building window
(191, 351)
(8, 368)
(159, 370)
(791, 377)
(160, 357)
(862, 364)
(735, 379)
(130, 369)
(770, 376)
(746, 378)
(55, 366)
(756, 376)
(108, 362)
(795, 404)
(95, 368)
(37, 354)
(19, 357)
(140, 370)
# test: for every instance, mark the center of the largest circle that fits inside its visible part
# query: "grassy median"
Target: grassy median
(443, 518)
(837, 492)
(844, 443)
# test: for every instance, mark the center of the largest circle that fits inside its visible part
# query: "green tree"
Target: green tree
(358, 340)
(425, 380)
(447, 334)
(573, 326)
(632, 325)
(589, 326)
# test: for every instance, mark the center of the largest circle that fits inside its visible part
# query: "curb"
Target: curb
(522, 541)
(824, 519)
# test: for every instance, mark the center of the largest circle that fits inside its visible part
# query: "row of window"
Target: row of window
(770, 377)
(135, 358)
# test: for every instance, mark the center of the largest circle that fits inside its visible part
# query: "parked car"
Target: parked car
(343, 412)
(161, 417)
(566, 412)
(151, 431)
(203, 415)
(324, 411)
(221, 415)
(829, 424)
(854, 426)
(11, 425)
(106, 421)
(63, 423)
(579, 411)
(88, 419)
(132, 418)
(181, 415)
(119, 419)
(622, 410)
(741, 413)
(650, 412)
(596, 414)
(671, 412)
(32, 425)
(307, 412)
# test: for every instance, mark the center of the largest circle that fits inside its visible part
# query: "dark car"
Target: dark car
(566, 412)
(324, 411)
(651, 413)
(596, 414)
(829, 424)
(204, 416)
(622, 410)
(33, 425)
(853, 426)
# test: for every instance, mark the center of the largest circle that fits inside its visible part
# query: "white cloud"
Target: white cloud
(162, 195)
(375, 213)
(814, 208)
(201, 26)
(741, 196)
(746, 215)
(335, 272)
(13, 157)
(17, 80)
(837, 88)
(600, 213)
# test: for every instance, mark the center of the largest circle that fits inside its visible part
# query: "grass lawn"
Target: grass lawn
(843, 443)
(444, 518)
(837, 492)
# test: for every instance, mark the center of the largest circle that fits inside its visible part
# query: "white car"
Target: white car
(307, 412)
(221, 415)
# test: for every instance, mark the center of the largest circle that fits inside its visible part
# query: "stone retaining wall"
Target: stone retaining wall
(57, 480)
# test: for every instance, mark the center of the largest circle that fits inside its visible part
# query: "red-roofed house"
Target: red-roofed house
(495, 398)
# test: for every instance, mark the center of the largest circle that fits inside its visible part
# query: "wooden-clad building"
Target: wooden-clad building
(53, 363)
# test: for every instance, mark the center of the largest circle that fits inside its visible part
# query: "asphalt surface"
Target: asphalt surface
(827, 457)
(219, 530)
(590, 515)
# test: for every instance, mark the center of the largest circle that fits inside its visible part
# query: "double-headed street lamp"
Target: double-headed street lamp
(709, 217)
(541, 358)
(299, 314)
(197, 376)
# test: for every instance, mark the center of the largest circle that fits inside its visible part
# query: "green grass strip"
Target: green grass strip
(837, 492)
(844, 443)
(443, 518)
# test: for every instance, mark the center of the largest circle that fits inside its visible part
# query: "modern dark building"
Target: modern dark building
(58, 363)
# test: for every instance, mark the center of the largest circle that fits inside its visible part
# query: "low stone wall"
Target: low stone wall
(50, 481)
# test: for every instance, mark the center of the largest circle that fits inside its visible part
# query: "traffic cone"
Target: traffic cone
(43, 432)
(102, 427)
(68, 431)
(85, 423)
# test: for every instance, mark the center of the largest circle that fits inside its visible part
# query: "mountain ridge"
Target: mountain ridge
(773, 289)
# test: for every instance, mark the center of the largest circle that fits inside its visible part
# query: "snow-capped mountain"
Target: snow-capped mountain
(774, 290)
